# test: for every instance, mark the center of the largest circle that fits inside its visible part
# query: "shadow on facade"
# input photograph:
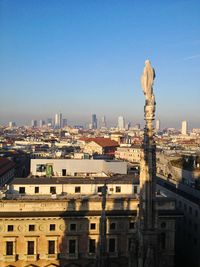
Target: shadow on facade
(97, 238)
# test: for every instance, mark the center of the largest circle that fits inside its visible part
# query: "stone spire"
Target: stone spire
(147, 211)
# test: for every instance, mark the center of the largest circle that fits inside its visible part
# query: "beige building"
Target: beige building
(130, 154)
(73, 186)
(99, 145)
(41, 231)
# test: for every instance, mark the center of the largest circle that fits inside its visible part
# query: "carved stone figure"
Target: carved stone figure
(147, 79)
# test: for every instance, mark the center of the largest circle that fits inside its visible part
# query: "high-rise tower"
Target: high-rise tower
(121, 123)
(184, 127)
(94, 122)
(58, 120)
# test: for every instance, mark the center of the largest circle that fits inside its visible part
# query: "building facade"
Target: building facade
(66, 231)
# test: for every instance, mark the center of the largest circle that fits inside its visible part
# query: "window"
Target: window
(135, 189)
(40, 168)
(72, 246)
(118, 189)
(130, 243)
(31, 227)
(52, 227)
(92, 245)
(30, 248)
(9, 248)
(131, 225)
(72, 227)
(64, 172)
(51, 247)
(22, 190)
(99, 189)
(162, 240)
(111, 245)
(37, 189)
(112, 226)
(77, 189)
(10, 228)
(53, 190)
(92, 226)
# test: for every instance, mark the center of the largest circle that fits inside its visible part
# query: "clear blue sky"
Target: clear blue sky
(81, 57)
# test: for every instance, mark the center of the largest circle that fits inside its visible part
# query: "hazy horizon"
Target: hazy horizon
(84, 57)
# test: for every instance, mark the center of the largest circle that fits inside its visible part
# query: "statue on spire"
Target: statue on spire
(147, 80)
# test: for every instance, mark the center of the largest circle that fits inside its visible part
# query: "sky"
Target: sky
(83, 57)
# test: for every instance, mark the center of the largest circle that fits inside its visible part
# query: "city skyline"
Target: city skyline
(82, 58)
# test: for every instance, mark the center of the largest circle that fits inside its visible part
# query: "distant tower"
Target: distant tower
(128, 125)
(157, 125)
(64, 122)
(58, 120)
(103, 122)
(184, 129)
(33, 123)
(94, 122)
(41, 123)
(121, 123)
(11, 124)
(49, 122)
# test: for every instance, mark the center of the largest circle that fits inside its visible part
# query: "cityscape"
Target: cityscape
(100, 134)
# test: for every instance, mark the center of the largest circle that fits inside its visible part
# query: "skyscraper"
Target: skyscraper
(103, 122)
(121, 123)
(58, 120)
(64, 122)
(49, 122)
(33, 123)
(157, 125)
(184, 129)
(41, 123)
(94, 122)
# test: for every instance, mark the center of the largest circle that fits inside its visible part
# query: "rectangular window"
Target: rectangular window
(31, 227)
(40, 168)
(37, 189)
(22, 190)
(92, 245)
(131, 225)
(52, 227)
(92, 226)
(135, 189)
(10, 228)
(118, 189)
(53, 190)
(77, 189)
(72, 246)
(9, 248)
(51, 247)
(64, 172)
(111, 245)
(99, 189)
(112, 226)
(163, 240)
(72, 227)
(130, 244)
(30, 248)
